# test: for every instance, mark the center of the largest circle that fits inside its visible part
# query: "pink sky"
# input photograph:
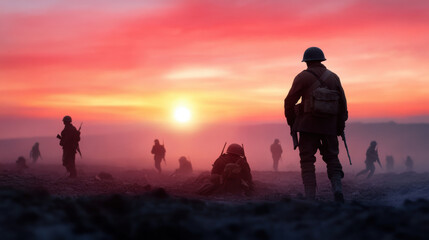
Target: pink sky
(227, 61)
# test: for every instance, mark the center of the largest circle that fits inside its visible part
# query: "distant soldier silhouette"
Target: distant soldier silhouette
(276, 153)
(409, 163)
(185, 167)
(371, 158)
(69, 140)
(35, 152)
(230, 173)
(21, 163)
(389, 163)
(158, 151)
(318, 122)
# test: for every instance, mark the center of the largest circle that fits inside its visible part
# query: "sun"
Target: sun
(182, 114)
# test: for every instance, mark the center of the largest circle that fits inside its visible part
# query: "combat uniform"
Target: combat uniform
(316, 132)
(159, 154)
(276, 152)
(70, 138)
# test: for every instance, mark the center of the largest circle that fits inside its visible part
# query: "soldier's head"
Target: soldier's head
(67, 120)
(276, 140)
(373, 143)
(313, 54)
(235, 149)
(182, 159)
(156, 141)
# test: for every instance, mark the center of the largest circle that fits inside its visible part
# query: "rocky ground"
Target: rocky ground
(42, 203)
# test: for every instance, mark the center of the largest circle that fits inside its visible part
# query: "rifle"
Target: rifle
(343, 136)
(223, 149)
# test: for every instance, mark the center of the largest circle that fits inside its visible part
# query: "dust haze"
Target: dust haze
(130, 146)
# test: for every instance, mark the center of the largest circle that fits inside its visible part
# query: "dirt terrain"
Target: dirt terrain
(42, 203)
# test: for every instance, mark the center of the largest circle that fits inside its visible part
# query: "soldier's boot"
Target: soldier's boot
(337, 189)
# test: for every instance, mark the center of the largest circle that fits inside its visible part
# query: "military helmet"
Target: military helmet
(313, 54)
(156, 141)
(276, 140)
(182, 159)
(67, 119)
(235, 149)
(373, 143)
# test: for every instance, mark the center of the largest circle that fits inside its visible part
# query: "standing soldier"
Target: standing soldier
(158, 152)
(69, 140)
(371, 158)
(409, 163)
(389, 163)
(318, 122)
(35, 152)
(276, 152)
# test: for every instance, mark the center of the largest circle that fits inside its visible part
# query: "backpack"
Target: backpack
(322, 101)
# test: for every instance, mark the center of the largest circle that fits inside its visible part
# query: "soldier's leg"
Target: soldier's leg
(275, 164)
(329, 151)
(371, 169)
(308, 145)
(72, 165)
(362, 172)
(158, 164)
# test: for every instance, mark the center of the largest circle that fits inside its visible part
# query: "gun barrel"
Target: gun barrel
(343, 136)
(223, 149)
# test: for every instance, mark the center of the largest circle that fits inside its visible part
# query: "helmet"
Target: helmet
(156, 141)
(182, 159)
(235, 149)
(276, 140)
(67, 119)
(313, 54)
(373, 143)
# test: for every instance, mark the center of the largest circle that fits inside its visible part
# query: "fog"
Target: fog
(130, 146)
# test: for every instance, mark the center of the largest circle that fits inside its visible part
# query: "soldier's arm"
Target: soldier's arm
(343, 114)
(218, 166)
(295, 92)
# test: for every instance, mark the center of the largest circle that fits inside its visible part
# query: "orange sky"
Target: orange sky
(228, 61)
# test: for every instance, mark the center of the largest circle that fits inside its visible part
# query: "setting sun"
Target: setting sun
(182, 114)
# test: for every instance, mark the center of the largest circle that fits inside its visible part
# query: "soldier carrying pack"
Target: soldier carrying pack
(322, 101)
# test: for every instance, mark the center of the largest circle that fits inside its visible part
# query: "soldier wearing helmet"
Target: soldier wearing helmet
(276, 153)
(35, 152)
(231, 172)
(158, 152)
(371, 158)
(69, 140)
(315, 131)
(185, 167)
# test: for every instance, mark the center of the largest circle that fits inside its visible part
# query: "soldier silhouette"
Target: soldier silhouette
(69, 140)
(276, 153)
(318, 122)
(158, 152)
(371, 158)
(35, 152)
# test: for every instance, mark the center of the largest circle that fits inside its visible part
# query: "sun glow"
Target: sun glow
(182, 114)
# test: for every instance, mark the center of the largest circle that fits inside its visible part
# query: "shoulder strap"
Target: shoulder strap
(321, 79)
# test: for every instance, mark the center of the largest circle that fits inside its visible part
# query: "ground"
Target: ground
(41, 203)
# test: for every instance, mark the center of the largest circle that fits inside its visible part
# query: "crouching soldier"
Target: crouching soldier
(185, 167)
(230, 173)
